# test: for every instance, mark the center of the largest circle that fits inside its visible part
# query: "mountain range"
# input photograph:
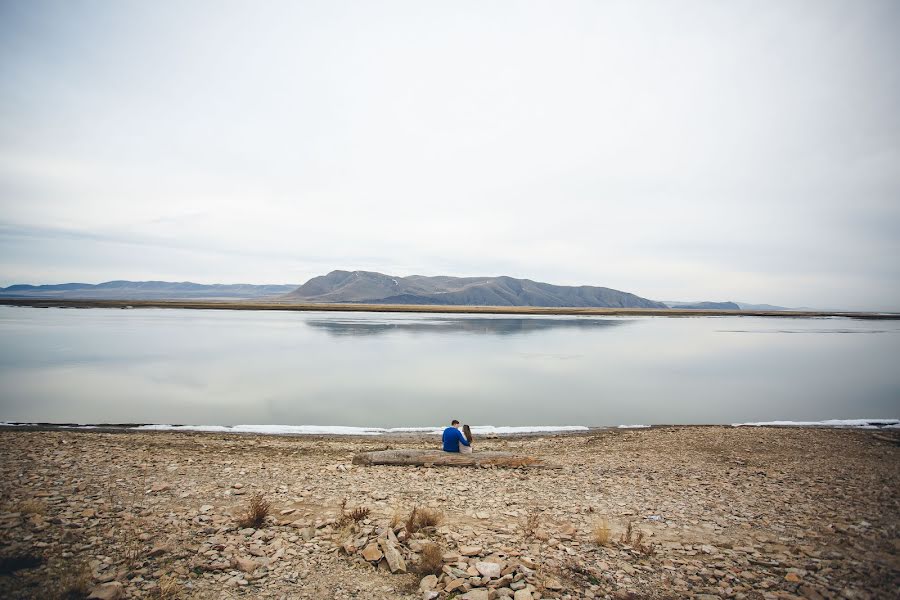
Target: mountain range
(367, 287)
(145, 290)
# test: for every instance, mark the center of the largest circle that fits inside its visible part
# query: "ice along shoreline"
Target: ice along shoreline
(478, 430)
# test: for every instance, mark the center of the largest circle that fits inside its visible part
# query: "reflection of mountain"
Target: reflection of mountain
(500, 326)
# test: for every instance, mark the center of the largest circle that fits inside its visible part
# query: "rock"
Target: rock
(476, 595)
(552, 584)
(488, 569)
(454, 584)
(159, 550)
(430, 595)
(482, 515)
(159, 487)
(392, 555)
(206, 508)
(247, 565)
(470, 550)
(522, 595)
(792, 577)
(428, 583)
(371, 553)
(107, 591)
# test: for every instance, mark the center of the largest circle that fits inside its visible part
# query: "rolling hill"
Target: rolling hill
(144, 290)
(367, 287)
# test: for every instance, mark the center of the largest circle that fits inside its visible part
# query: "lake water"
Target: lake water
(394, 370)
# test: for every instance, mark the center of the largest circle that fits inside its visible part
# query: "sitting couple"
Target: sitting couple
(456, 440)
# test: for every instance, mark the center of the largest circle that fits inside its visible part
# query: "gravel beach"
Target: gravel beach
(668, 512)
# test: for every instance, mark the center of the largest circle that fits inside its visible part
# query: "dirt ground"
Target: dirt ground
(670, 512)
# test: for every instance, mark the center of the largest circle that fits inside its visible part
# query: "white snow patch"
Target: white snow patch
(633, 426)
(345, 430)
(857, 423)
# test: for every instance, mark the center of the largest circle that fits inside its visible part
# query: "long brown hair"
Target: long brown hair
(468, 433)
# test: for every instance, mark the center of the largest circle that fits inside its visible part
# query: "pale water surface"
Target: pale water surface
(396, 370)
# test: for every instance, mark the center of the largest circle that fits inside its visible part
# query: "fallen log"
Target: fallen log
(439, 458)
(887, 438)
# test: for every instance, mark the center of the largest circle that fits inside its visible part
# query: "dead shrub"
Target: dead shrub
(74, 584)
(168, 588)
(635, 539)
(31, 507)
(350, 517)
(257, 512)
(420, 519)
(431, 560)
(628, 534)
(591, 575)
(360, 513)
(531, 523)
(601, 533)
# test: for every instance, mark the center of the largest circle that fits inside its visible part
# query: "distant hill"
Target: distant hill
(144, 290)
(747, 306)
(705, 305)
(366, 287)
(724, 305)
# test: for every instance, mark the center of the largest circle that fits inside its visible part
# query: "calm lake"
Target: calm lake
(395, 370)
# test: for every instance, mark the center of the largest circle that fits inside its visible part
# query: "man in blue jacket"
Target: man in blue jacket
(453, 437)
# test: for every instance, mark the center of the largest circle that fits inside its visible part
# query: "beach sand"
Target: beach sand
(714, 512)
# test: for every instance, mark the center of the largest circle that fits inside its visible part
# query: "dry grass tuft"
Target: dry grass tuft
(628, 534)
(131, 548)
(75, 584)
(431, 560)
(169, 588)
(635, 539)
(31, 507)
(601, 532)
(398, 518)
(256, 513)
(421, 519)
(531, 523)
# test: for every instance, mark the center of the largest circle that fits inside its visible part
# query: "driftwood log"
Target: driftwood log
(439, 458)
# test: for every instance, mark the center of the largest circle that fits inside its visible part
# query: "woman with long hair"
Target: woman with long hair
(467, 432)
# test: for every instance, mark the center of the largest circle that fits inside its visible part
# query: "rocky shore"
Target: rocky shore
(675, 512)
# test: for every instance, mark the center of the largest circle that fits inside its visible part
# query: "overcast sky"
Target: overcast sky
(678, 150)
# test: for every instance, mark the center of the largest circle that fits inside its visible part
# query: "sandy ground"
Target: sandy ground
(714, 512)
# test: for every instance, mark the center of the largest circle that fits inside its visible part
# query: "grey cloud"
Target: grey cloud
(739, 150)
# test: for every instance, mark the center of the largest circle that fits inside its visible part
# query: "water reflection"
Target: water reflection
(247, 367)
(476, 325)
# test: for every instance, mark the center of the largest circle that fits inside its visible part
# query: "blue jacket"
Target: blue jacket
(452, 438)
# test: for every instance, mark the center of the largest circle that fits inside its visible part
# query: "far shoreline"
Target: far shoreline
(433, 309)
